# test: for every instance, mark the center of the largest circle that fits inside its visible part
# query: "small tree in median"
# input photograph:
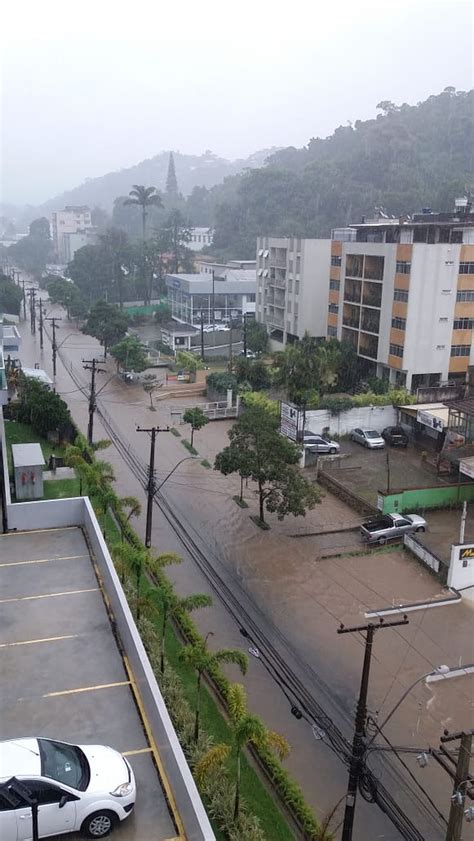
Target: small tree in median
(130, 355)
(106, 323)
(196, 419)
(258, 450)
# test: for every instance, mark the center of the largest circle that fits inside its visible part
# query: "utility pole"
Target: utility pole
(358, 743)
(40, 305)
(388, 469)
(91, 365)
(23, 281)
(463, 522)
(53, 344)
(202, 335)
(32, 295)
(245, 334)
(151, 487)
(230, 346)
(461, 778)
(213, 309)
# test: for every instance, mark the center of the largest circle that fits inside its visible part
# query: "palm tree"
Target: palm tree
(171, 607)
(135, 560)
(245, 729)
(144, 197)
(135, 507)
(202, 660)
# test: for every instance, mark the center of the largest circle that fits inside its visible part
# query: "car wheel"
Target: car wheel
(366, 445)
(332, 451)
(382, 541)
(420, 528)
(99, 824)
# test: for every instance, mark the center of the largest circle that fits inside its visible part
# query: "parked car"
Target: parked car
(320, 444)
(395, 436)
(390, 526)
(87, 788)
(250, 354)
(368, 438)
(220, 327)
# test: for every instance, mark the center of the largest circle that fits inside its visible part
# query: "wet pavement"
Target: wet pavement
(299, 598)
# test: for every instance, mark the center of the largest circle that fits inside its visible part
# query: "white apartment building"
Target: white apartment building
(66, 225)
(292, 287)
(401, 291)
(200, 237)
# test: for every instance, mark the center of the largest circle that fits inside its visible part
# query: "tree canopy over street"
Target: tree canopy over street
(258, 451)
(106, 323)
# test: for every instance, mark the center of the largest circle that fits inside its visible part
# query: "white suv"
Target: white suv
(78, 787)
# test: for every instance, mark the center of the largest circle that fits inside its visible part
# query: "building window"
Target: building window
(333, 308)
(335, 284)
(443, 318)
(332, 331)
(354, 264)
(403, 267)
(296, 310)
(396, 350)
(260, 272)
(336, 260)
(466, 268)
(298, 265)
(290, 285)
(399, 323)
(463, 324)
(297, 287)
(400, 295)
(290, 266)
(266, 253)
(460, 350)
(288, 308)
(465, 296)
(265, 272)
(260, 252)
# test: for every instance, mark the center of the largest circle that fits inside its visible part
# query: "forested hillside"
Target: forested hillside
(407, 158)
(191, 170)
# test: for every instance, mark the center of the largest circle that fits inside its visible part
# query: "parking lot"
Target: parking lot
(364, 472)
(62, 674)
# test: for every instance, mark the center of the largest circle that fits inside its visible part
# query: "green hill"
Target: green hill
(407, 158)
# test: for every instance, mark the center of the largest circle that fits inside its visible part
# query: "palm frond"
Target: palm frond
(167, 559)
(194, 602)
(231, 655)
(278, 743)
(212, 760)
(237, 701)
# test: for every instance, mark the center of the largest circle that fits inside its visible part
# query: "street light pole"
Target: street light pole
(461, 778)
(91, 365)
(54, 346)
(41, 323)
(358, 743)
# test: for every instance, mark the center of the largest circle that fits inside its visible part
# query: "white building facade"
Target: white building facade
(200, 238)
(219, 297)
(292, 287)
(402, 293)
(71, 229)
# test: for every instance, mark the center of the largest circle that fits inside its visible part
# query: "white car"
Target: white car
(368, 438)
(220, 327)
(87, 788)
(320, 444)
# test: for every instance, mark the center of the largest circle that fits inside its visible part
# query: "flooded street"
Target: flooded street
(297, 597)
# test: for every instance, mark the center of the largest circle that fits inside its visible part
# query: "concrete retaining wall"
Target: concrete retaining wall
(365, 417)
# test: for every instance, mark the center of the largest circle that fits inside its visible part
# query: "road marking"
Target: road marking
(43, 560)
(136, 752)
(38, 531)
(49, 595)
(86, 689)
(33, 642)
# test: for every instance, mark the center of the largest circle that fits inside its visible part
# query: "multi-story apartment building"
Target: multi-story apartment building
(401, 291)
(65, 225)
(292, 287)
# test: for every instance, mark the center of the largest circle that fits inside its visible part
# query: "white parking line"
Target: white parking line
(49, 595)
(33, 642)
(86, 689)
(43, 560)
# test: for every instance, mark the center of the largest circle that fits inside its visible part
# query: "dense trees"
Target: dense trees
(41, 408)
(130, 354)
(106, 323)
(11, 296)
(32, 252)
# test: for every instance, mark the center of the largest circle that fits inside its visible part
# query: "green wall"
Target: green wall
(439, 497)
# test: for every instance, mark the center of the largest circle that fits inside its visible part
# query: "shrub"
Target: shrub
(221, 382)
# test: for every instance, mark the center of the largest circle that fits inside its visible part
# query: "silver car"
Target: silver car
(319, 444)
(368, 438)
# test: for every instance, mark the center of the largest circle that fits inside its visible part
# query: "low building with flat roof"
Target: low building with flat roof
(220, 297)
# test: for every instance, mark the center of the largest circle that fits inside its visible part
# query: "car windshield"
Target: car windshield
(369, 433)
(64, 763)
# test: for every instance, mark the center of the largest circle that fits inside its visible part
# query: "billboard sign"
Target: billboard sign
(291, 420)
(428, 419)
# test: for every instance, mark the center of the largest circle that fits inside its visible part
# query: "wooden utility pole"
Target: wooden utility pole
(53, 343)
(461, 780)
(32, 296)
(91, 365)
(358, 744)
(151, 487)
(40, 305)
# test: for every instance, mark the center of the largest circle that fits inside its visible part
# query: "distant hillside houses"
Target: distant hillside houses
(200, 237)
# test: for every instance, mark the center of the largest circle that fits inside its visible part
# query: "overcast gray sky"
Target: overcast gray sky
(91, 87)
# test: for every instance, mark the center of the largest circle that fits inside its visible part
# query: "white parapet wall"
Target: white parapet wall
(365, 417)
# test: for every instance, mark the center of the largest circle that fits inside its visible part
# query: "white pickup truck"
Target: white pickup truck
(391, 525)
